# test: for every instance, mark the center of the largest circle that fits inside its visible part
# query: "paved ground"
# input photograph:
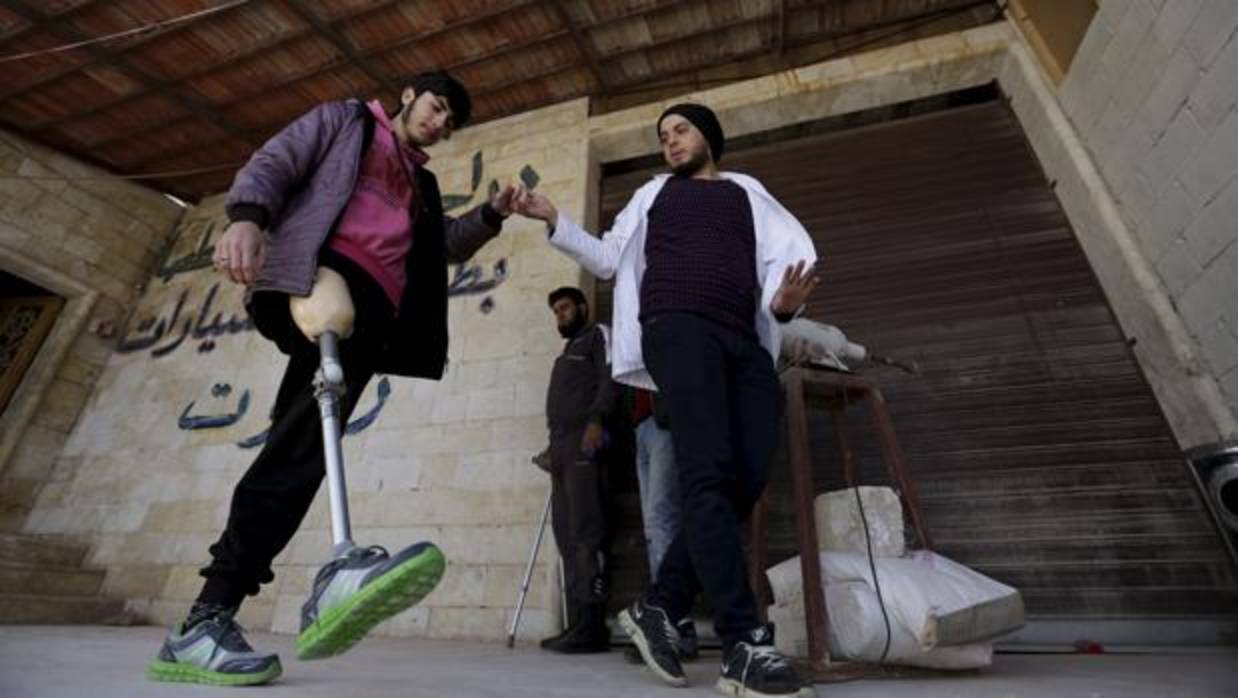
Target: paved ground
(98, 662)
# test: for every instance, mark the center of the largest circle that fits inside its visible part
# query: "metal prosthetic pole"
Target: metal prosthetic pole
(528, 573)
(328, 388)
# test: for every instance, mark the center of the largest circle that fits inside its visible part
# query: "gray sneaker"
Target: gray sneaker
(213, 651)
(354, 593)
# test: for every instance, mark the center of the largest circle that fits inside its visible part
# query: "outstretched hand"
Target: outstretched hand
(504, 200)
(798, 281)
(531, 204)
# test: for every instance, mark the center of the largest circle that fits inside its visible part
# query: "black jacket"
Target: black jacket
(581, 390)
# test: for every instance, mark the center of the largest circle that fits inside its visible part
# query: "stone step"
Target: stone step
(40, 550)
(16, 499)
(39, 609)
(49, 581)
(13, 516)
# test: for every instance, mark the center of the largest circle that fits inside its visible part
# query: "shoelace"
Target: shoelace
(203, 612)
(233, 637)
(327, 573)
(328, 570)
(768, 657)
(765, 657)
(668, 628)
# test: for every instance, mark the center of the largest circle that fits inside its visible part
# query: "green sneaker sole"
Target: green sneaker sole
(159, 670)
(341, 627)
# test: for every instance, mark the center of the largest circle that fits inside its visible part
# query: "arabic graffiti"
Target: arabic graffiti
(150, 332)
(528, 177)
(198, 258)
(454, 201)
(353, 427)
(189, 422)
(469, 279)
(365, 420)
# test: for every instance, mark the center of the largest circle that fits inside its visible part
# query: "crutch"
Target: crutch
(528, 572)
(325, 316)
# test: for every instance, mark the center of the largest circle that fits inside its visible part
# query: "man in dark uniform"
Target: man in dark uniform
(579, 401)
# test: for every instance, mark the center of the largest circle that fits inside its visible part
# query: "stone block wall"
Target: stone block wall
(91, 239)
(1153, 95)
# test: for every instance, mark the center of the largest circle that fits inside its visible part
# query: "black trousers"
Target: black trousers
(725, 403)
(579, 517)
(272, 498)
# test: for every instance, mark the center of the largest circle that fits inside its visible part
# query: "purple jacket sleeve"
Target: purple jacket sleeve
(261, 187)
(468, 233)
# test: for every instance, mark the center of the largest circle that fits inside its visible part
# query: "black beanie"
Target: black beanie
(705, 121)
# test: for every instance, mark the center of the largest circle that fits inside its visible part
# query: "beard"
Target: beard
(692, 165)
(404, 119)
(572, 327)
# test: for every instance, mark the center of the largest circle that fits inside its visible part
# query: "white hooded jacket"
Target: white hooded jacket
(620, 253)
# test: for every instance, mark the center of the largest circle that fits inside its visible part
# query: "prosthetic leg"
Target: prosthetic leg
(325, 317)
(359, 587)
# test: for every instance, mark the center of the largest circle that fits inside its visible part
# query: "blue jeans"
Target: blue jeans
(659, 490)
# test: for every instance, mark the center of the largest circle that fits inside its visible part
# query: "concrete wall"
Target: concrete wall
(91, 241)
(1152, 94)
(448, 461)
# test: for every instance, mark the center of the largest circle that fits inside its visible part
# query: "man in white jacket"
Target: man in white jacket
(707, 265)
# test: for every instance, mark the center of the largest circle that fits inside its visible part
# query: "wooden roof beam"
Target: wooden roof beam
(133, 44)
(193, 106)
(342, 44)
(307, 75)
(514, 48)
(587, 50)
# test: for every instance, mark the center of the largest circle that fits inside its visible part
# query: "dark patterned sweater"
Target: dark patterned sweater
(700, 253)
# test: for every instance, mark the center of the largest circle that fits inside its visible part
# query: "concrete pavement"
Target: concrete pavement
(106, 662)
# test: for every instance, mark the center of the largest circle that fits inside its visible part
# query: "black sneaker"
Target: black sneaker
(753, 668)
(654, 635)
(552, 642)
(590, 634)
(689, 644)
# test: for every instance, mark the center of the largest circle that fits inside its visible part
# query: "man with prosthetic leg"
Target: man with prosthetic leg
(338, 232)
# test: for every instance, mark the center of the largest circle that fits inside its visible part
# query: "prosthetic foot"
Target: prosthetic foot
(360, 587)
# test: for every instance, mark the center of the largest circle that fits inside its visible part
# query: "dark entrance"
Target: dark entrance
(27, 314)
